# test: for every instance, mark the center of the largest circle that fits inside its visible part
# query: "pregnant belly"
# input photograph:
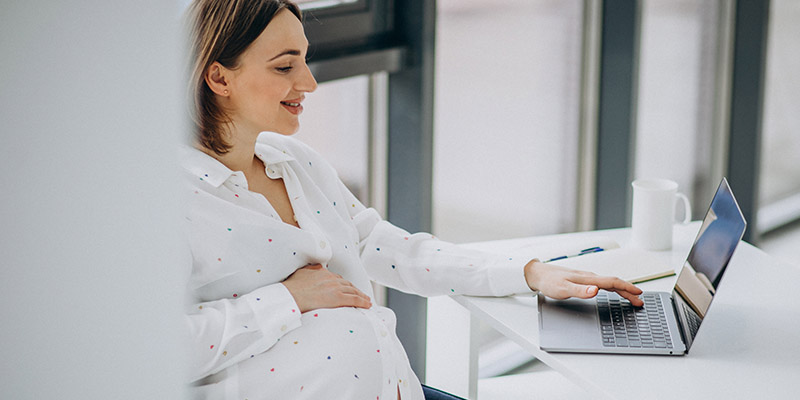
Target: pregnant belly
(336, 353)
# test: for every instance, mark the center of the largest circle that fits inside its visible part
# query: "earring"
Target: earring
(225, 92)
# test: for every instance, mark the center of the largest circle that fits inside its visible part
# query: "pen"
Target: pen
(584, 251)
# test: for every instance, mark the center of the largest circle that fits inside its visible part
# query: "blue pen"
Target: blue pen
(584, 251)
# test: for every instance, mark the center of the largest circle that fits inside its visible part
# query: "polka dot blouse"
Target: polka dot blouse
(249, 339)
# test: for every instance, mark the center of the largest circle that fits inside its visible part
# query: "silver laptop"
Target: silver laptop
(668, 322)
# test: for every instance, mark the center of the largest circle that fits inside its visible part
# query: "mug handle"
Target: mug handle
(687, 209)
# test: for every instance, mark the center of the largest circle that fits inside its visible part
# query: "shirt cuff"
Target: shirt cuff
(274, 309)
(507, 277)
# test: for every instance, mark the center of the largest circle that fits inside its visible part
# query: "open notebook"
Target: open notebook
(631, 264)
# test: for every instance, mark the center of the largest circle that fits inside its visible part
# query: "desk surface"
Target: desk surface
(747, 346)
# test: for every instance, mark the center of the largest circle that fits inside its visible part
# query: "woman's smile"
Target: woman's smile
(294, 106)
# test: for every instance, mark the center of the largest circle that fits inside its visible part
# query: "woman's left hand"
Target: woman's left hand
(561, 283)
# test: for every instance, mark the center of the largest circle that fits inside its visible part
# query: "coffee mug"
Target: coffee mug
(653, 214)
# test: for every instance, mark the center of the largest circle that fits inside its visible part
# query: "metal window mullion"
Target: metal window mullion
(587, 131)
(723, 72)
(747, 101)
(410, 157)
(377, 159)
(617, 111)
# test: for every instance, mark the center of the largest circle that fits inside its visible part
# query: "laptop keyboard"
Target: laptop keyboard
(624, 325)
(692, 318)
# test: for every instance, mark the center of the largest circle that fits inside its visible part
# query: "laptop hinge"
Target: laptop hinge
(679, 317)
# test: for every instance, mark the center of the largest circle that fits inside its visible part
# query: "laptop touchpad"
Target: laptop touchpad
(569, 314)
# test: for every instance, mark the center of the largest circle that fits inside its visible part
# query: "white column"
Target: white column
(90, 117)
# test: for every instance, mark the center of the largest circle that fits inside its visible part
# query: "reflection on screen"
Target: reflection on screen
(720, 233)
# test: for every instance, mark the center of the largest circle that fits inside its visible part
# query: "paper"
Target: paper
(630, 264)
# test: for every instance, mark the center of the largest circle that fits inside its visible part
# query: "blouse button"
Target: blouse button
(322, 244)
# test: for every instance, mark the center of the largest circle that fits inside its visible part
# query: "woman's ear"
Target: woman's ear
(216, 79)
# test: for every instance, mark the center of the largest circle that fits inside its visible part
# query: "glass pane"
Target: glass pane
(779, 192)
(335, 123)
(506, 118)
(676, 93)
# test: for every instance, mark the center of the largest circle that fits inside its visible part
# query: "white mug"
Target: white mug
(653, 213)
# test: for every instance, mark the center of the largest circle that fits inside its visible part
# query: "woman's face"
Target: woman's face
(267, 88)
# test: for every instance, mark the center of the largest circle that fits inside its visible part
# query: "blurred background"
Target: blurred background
(506, 143)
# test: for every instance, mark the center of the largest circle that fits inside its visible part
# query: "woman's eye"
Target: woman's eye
(283, 69)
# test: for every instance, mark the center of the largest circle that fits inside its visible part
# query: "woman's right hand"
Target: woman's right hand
(315, 287)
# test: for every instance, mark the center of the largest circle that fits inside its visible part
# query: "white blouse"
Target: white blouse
(250, 341)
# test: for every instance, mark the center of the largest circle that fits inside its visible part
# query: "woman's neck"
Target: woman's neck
(241, 154)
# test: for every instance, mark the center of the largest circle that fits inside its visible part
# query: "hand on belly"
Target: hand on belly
(314, 287)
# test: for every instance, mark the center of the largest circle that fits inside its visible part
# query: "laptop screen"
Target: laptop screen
(720, 233)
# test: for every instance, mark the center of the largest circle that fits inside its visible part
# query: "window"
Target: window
(340, 27)
(779, 192)
(336, 125)
(676, 93)
(506, 119)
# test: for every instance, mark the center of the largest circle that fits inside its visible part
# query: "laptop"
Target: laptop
(668, 322)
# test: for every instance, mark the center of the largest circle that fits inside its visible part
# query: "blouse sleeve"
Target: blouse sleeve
(227, 331)
(422, 264)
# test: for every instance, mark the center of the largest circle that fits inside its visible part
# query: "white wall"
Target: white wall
(90, 115)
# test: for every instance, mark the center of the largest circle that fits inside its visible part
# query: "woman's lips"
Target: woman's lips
(293, 106)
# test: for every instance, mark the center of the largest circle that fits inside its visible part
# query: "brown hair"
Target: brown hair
(221, 30)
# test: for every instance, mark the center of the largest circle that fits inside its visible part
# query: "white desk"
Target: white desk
(743, 350)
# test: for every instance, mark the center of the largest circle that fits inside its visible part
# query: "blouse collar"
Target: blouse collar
(210, 170)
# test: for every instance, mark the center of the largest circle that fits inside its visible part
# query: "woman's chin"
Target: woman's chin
(288, 130)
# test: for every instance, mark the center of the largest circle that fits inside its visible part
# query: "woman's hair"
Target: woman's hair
(221, 30)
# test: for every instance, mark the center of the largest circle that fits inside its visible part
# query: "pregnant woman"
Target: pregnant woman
(282, 254)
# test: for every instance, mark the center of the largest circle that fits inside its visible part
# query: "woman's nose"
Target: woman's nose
(307, 83)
